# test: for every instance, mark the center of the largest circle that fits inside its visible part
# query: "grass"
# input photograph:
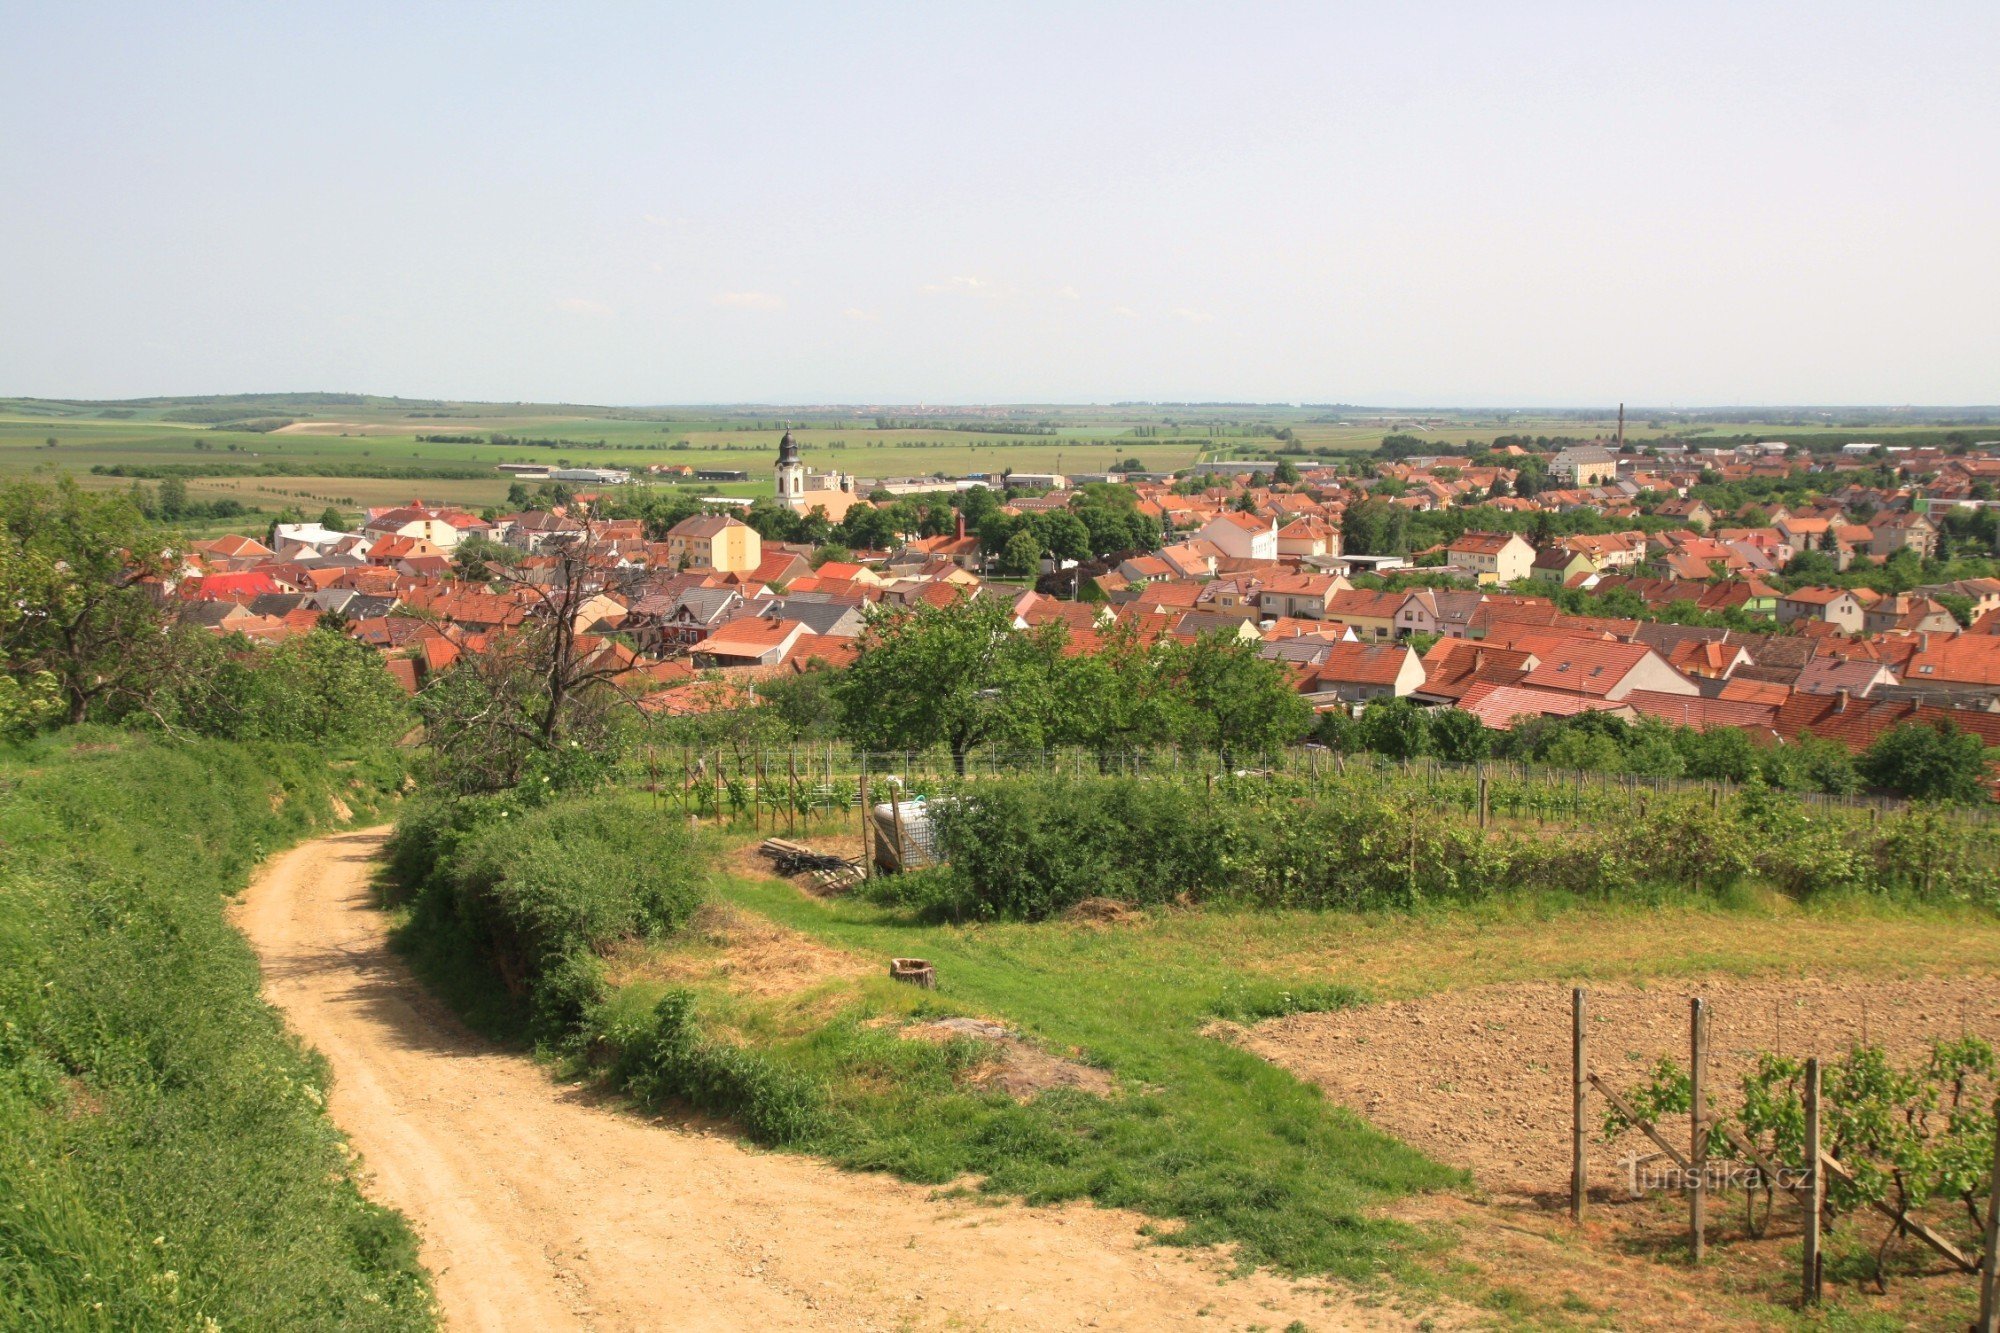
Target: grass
(165, 1158)
(1214, 1143)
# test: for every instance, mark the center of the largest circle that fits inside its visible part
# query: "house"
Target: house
(1834, 606)
(1243, 536)
(720, 542)
(443, 528)
(1353, 672)
(1558, 565)
(1903, 532)
(1298, 595)
(1582, 466)
(1600, 668)
(1307, 537)
(1907, 613)
(751, 641)
(1371, 614)
(1495, 557)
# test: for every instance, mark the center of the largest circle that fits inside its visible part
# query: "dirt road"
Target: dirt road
(541, 1209)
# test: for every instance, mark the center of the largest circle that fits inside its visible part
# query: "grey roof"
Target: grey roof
(276, 603)
(705, 605)
(836, 618)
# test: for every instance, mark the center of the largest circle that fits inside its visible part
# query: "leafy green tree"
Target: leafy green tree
(1235, 699)
(1458, 736)
(83, 574)
(1929, 762)
(1394, 727)
(332, 519)
(1022, 553)
(957, 675)
(1286, 473)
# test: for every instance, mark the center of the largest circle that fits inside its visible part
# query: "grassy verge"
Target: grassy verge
(1216, 1144)
(165, 1161)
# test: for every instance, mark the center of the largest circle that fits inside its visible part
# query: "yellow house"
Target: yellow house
(715, 541)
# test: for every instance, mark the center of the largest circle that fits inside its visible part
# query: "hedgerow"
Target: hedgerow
(535, 895)
(537, 892)
(165, 1159)
(1028, 848)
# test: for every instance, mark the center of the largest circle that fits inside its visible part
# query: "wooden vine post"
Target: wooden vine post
(1815, 1192)
(1989, 1260)
(1697, 1130)
(867, 826)
(1579, 1073)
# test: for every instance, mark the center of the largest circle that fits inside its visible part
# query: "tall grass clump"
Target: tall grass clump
(165, 1159)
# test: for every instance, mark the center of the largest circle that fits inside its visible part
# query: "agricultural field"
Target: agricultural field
(358, 451)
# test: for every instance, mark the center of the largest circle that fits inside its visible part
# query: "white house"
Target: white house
(1243, 536)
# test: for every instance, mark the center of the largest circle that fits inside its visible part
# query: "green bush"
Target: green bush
(164, 1156)
(535, 893)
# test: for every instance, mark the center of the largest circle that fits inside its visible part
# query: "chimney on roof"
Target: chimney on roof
(1840, 700)
(1923, 641)
(961, 525)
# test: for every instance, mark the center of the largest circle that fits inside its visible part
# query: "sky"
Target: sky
(1389, 203)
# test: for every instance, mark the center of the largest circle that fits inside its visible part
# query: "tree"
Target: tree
(1235, 699)
(1929, 762)
(1022, 553)
(173, 499)
(332, 519)
(82, 595)
(957, 675)
(1394, 727)
(1286, 473)
(1458, 736)
(544, 695)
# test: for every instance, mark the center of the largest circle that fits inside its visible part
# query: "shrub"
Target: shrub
(536, 893)
(662, 1054)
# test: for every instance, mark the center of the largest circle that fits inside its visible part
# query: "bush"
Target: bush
(536, 893)
(1030, 847)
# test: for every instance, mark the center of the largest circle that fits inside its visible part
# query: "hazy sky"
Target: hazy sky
(946, 202)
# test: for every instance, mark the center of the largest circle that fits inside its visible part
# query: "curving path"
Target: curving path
(540, 1207)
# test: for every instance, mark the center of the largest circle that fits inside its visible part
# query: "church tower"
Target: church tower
(791, 474)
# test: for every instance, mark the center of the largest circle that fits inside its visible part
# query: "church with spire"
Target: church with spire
(802, 489)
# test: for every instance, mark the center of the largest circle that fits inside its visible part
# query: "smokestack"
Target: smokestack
(1621, 427)
(961, 525)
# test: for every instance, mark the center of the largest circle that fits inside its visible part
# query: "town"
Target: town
(1761, 589)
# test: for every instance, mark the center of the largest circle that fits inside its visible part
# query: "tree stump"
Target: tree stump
(915, 971)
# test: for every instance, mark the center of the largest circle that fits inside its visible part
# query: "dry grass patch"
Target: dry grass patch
(741, 953)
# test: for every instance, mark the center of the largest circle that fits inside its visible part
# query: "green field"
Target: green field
(309, 441)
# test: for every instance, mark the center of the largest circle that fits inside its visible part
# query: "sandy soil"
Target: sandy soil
(540, 1207)
(1481, 1077)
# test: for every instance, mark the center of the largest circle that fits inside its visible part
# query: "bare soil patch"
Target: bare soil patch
(744, 952)
(1480, 1077)
(1017, 1068)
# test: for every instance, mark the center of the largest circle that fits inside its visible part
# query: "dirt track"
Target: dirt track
(540, 1208)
